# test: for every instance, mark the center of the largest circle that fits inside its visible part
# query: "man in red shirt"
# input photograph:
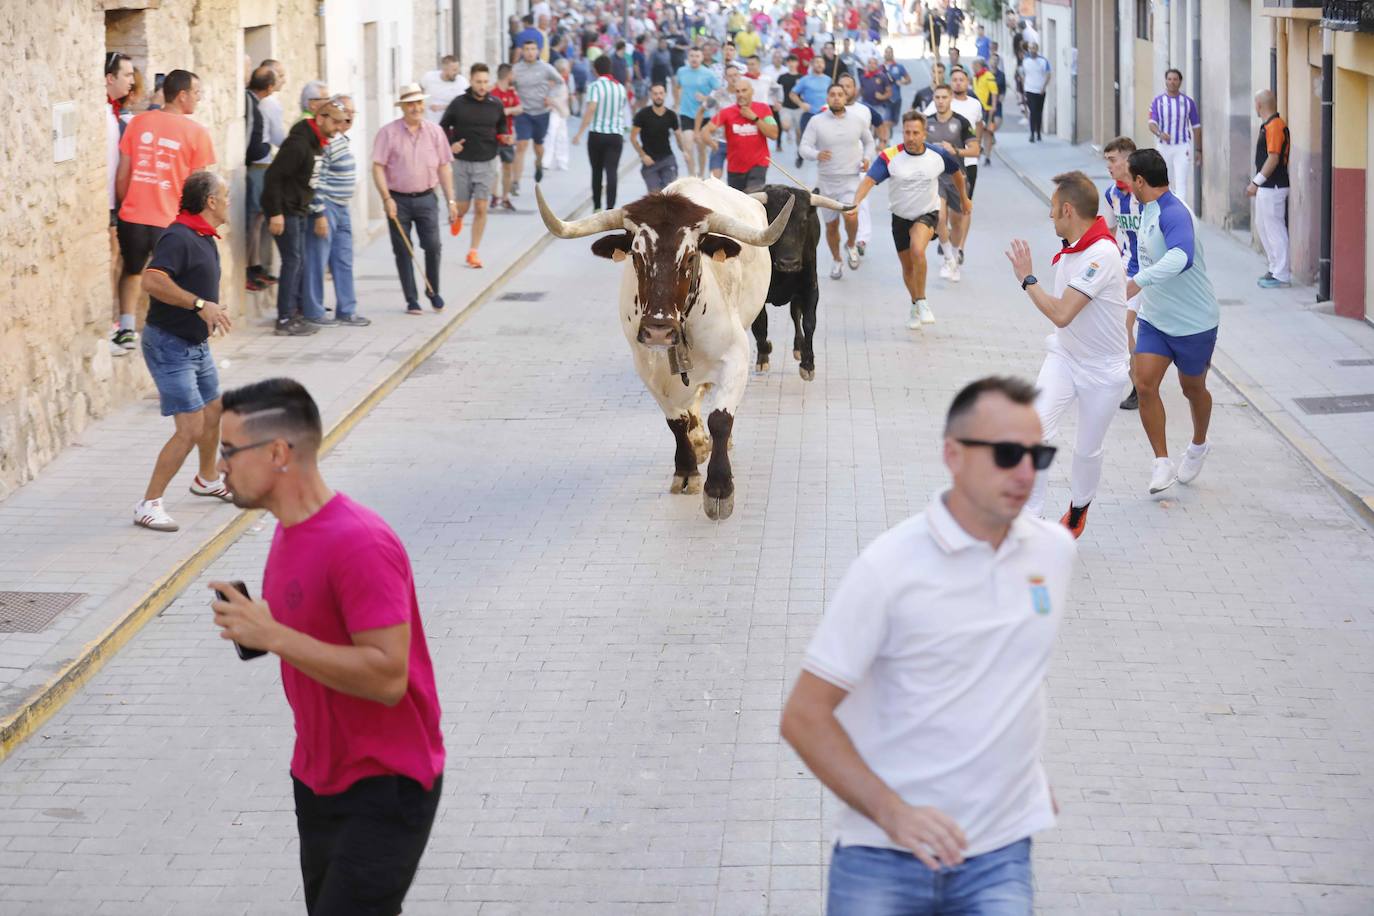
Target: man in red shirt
(339, 608)
(504, 92)
(748, 126)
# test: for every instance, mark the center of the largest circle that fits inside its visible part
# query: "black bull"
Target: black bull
(794, 276)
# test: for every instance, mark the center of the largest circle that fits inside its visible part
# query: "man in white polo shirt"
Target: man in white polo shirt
(1088, 360)
(921, 700)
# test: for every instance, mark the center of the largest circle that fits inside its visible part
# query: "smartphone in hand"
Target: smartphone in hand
(244, 653)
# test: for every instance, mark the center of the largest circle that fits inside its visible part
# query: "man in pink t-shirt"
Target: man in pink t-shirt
(339, 609)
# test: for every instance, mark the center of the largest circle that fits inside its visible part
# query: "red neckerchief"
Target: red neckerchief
(116, 105)
(1123, 187)
(1096, 233)
(196, 223)
(324, 141)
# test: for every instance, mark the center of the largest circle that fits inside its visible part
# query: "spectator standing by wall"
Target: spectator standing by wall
(1175, 122)
(339, 609)
(330, 244)
(182, 282)
(410, 158)
(119, 82)
(1269, 187)
(1035, 76)
(288, 201)
(259, 241)
(472, 123)
(261, 85)
(158, 151)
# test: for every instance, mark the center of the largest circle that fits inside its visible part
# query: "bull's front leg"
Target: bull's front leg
(686, 476)
(719, 406)
(760, 329)
(805, 330)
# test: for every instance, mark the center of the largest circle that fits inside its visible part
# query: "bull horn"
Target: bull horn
(760, 196)
(829, 203)
(721, 224)
(605, 221)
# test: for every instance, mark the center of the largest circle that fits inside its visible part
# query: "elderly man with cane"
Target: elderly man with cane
(409, 158)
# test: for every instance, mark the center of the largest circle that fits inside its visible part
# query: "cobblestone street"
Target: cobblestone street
(611, 664)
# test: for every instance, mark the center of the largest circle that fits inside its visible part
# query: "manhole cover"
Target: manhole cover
(521, 297)
(1340, 403)
(32, 612)
(1355, 362)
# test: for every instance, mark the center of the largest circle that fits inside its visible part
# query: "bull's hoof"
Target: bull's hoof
(761, 367)
(685, 483)
(796, 354)
(807, 374)
(718, 509)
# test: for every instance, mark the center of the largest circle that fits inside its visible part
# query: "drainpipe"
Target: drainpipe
(1197, 92)
(321, 60)
(1274, 55)
(1328, 111)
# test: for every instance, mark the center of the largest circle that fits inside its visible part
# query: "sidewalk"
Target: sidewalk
(1277, 348)
(70, 530)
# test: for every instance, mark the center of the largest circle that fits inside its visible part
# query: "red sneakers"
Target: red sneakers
(1075, 520)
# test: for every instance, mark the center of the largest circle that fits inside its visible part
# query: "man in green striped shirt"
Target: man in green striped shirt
(604, 118)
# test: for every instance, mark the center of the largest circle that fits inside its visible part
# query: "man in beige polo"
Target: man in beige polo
(410, 157)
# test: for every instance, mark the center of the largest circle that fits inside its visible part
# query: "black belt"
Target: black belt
(412, 193)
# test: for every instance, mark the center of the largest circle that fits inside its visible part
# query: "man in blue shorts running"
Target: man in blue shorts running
(1177, 318)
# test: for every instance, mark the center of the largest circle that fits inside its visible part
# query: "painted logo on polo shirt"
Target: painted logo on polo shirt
(1092, 270)
(1039, 593)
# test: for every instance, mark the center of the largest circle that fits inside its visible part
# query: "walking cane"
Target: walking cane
(429, 290)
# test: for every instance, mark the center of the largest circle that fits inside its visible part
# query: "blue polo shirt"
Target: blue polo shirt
(1176, 294)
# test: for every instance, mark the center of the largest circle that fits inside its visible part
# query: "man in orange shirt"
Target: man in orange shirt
(159, 149)
(1269, 187)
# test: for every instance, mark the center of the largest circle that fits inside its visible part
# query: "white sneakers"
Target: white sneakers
(913, 323)
(927, 316)
(1191, 465)
(953, 271)
(212, 488)
(1162, 476)
(852, 254)
(944, 269)
(150, 514)
(836, 271)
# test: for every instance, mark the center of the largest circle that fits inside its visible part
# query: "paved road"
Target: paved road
(612, 664)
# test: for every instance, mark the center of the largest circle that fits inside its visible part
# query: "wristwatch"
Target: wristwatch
(1029, 281)
(197, 305)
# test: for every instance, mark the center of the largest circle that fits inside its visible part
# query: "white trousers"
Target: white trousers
(865, 230)
(557, 146)
(1179, 158)
(1273, 230)
(1061, 383)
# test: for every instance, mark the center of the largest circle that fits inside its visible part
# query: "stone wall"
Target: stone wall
(56, 303)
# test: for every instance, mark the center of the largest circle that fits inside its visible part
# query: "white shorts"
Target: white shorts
(843, 191)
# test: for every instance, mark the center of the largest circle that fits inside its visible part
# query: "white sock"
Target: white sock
(1195, 450)
(126, 322)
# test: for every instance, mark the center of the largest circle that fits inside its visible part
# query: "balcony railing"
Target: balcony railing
(1348, 15)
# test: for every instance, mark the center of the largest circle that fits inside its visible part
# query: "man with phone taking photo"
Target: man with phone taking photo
(339, 608)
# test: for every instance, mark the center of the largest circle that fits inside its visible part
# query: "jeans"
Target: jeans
(868, 881)
(336, 251)
(659, 175)
(291, 280)
(604, 152)
(423, 213)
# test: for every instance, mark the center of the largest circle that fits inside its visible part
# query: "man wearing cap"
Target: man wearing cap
(409, 158)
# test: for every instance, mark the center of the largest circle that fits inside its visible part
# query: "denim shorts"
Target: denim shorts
(1191, 353)
(184, 372)
(718, 156)
(532, 127)
(869, 881)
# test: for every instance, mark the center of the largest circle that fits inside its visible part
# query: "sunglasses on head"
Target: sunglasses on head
(1007, 455)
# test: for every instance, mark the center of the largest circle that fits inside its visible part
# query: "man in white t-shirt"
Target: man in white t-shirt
(1035, 78)
(921, 697)
(443, 86)
(1088, 362)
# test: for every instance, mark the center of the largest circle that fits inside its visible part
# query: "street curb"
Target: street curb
(44, 702)
(1326, 465)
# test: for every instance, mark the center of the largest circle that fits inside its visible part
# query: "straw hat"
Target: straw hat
(411, 92)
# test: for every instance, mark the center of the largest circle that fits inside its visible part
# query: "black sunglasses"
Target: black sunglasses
(229, 451)
(1007, 455)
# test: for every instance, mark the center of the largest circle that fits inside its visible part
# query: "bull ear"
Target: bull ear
(719, 247)
(616, 247)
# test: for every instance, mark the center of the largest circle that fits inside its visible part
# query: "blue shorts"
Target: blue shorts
(1191, 353)
(889, 882)
(718, 156)
(184, 372)
(532, 127)
(255, 176)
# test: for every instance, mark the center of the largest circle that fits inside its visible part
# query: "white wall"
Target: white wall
(1056, 43)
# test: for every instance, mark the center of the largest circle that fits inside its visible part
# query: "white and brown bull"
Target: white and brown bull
(697, 273)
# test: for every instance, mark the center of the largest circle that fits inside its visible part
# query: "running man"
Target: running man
(652, 128)
(472, 122)
(949, 130)
(841, 143)
(914, 199)
(986, 90)
(972, 111)
(809, 94)
(1125, 210)
(1178, 316)
(748, 126)
(1087, 360)
(693, 85)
